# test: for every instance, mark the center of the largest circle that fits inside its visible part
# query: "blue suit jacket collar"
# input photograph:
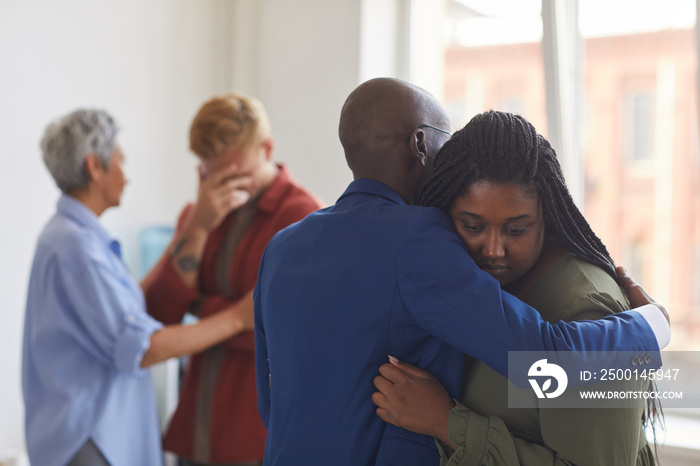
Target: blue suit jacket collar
(374, 188)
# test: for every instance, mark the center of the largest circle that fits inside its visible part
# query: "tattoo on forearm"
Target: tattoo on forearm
(177, 248)
(187, 263)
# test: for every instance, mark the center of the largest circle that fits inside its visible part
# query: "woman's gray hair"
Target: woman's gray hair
(69, 140)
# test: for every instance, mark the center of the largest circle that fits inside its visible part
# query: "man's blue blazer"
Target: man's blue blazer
(369, 277)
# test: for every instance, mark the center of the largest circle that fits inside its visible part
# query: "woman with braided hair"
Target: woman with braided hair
(501, 184)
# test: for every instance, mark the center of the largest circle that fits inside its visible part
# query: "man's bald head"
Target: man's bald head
(380, 130)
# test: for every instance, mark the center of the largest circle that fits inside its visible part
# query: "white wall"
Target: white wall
(301, 59)
(151, 63)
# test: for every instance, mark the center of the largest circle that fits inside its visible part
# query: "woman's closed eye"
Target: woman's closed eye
(515, 230)
(473, 228)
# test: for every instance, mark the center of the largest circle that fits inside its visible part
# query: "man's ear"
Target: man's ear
(268, 146)
(418, 147)
(93, 166)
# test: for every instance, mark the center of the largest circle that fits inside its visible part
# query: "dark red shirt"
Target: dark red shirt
(236, 432)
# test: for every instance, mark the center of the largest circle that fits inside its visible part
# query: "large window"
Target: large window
(638, 136)
(641, 93)
(486, 42)
(639, 126)
(636, 140)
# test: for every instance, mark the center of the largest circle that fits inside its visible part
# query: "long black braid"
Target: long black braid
(501, 147)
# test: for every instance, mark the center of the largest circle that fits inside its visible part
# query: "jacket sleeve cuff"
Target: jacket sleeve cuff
(658, 323)
(469, 431)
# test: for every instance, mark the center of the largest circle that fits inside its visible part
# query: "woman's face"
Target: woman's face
(114, 179)
(502, 226)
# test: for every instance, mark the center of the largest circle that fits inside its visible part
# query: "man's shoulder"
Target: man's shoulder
(286, 201)
(424, 218)
(429, 214)
(298, 195)
(376, 216)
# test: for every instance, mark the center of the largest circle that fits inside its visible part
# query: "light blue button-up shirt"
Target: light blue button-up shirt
(86, 330)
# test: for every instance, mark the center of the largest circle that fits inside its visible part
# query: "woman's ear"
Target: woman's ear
(93, 166)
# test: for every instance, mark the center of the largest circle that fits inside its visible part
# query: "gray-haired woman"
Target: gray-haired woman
(87, 338)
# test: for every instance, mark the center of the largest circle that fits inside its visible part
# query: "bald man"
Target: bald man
(374, 275)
